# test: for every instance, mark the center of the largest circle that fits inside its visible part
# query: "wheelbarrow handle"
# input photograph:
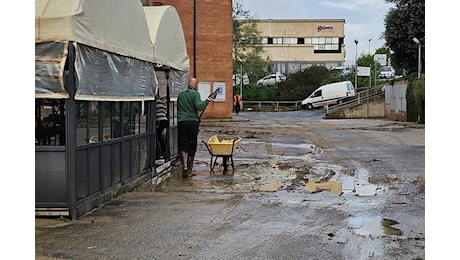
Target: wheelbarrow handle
(207, 146)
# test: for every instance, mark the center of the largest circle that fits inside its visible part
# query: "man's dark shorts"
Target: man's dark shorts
(188, 135)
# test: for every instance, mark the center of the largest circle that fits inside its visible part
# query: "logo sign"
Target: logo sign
(220, 88)
(381, 59)
(364, 71)
(325, 28)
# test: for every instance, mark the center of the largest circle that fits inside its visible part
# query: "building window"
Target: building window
(277, 40)
(289, 40)
(320, 44)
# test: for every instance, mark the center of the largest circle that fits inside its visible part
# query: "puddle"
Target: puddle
(359, 184)
(374, 226)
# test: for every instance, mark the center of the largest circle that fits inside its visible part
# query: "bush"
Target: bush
(297, 86)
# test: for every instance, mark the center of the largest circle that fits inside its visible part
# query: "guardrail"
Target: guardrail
(363, 96)
(360, 97)
(271, 105)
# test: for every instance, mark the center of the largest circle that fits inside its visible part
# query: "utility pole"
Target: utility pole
(370, 46)
(419, 67)
(356, 65)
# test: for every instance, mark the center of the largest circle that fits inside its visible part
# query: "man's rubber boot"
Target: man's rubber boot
(183, 161)
(190, 166)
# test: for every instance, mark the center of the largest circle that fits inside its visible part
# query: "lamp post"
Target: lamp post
(356, 65)
(419, 68)
(241, 82)
(370, 46)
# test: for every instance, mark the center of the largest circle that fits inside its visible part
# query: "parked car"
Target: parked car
(271, 79)
(387, 72)
(343, 71)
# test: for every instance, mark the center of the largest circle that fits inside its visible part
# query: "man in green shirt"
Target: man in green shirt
(188, 104)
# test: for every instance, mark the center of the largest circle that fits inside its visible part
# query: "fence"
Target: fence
(271, 105)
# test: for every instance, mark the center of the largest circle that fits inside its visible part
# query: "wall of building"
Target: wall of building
(291, 57)
(210, 49)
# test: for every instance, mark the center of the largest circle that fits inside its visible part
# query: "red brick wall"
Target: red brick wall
(213, 45)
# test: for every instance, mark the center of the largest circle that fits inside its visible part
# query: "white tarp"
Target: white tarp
(167, 37)
(116, 32)
(117, 26)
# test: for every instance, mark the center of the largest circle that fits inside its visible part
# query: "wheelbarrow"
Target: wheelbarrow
(222, 146)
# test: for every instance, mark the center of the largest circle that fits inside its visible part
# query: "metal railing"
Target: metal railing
(361, 97)
(271, 105)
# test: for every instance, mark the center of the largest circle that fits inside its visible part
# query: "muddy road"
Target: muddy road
(265, 208)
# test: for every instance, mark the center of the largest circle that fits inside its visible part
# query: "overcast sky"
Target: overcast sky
(364, 19)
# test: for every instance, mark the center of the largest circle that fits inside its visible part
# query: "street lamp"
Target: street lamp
(356, 65)
(370, 46)
(419, 69)
(241, 82)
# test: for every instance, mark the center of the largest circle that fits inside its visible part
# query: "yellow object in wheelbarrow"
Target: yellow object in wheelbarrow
(222, 146)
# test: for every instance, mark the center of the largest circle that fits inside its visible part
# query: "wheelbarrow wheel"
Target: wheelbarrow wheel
(225, 160)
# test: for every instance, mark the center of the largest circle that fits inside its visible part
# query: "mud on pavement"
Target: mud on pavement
(264, 209)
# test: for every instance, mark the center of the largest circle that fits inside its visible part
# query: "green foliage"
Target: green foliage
(297, 86)
(363, 82)
(252, 92)
(402, 24)
(247, 47)
(415, 97)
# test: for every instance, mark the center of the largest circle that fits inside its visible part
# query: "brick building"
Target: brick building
(208, 32)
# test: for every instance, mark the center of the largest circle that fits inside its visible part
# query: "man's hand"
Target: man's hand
(213, 95)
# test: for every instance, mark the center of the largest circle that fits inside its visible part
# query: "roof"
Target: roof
(167, 36)
(118, 26)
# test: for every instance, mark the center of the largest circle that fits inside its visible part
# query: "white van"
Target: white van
(331, 94)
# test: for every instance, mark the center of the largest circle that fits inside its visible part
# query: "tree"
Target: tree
(402, 24)
(247, 47)
(366, 60)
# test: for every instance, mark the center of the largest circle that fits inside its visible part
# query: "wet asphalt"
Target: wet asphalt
(262, 209)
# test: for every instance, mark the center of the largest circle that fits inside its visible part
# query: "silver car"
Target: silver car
(387, 72)
(271, 79)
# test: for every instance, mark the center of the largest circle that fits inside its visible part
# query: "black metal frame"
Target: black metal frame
(73, 179)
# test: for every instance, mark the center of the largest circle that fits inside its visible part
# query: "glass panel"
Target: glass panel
(143, 111)
(49, 122)
(321, 47)
(107, 108)
(308, 41)
(93, 123)
(81, 121)
(314, 40)
(328, 40)
(335, 40)
(322, 40)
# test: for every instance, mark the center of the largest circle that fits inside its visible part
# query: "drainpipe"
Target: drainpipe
(194, 38)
